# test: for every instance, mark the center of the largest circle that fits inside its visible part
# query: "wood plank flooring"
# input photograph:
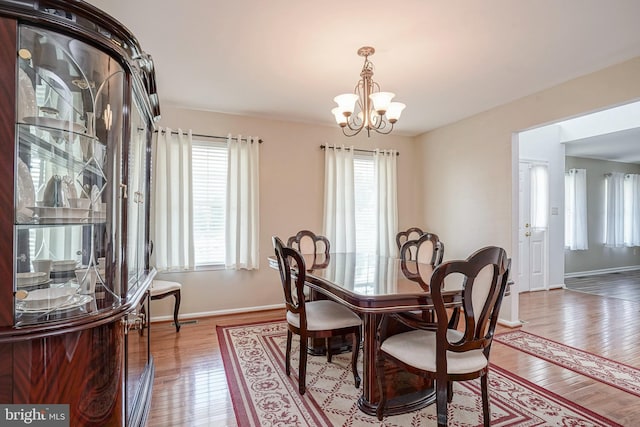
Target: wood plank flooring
(623, 285)
(190, 387)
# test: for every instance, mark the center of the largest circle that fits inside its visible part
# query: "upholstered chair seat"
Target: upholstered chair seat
(418, 349)
(325, 314)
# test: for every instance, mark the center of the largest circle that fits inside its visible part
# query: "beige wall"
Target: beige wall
(467, 174)
(291, 199)
(455, 180)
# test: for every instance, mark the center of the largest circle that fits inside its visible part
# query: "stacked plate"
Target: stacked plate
(31, 279)
(64, 265)
(63, 269)
(48, 298)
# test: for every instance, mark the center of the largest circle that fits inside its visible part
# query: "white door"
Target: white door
(533, 215)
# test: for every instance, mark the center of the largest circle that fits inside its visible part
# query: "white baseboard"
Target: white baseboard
(602, 271)
(216, 313)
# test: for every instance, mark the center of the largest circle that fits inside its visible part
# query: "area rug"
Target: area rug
(263, 395)
(615, 374)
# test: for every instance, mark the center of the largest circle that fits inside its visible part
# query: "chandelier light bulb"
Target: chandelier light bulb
(346, 103)
(341, 119)
(381, 101)
(394, 111)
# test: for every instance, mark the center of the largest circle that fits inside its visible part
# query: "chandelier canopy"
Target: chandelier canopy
(376, 111)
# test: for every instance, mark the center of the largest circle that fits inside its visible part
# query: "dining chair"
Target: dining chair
(160, 289)
(311, 319)
(308, 243)
(409, 234)
(426, 249)
(440, 352)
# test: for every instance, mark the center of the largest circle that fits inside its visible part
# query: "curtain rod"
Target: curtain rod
(625, 174)
(200, 135)
(322, 147)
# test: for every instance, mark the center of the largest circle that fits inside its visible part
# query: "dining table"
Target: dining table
(372, 286)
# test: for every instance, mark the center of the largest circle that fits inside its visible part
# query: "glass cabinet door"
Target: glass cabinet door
(70, 98)
(137, 193)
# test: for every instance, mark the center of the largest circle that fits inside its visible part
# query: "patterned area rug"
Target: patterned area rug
(263, 395)
(624, 377)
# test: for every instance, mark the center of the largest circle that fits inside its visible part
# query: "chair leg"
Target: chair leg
(176, 308)
(327, 344)
(449, 391)
(287, 356)
(302, 370)
(355, 351)
(441, 402)
(485, 400)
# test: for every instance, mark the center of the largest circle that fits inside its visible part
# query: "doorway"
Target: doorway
(533, 213)
(589, 136)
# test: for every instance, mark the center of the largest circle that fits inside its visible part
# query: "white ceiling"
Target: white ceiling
(622, 146)
(446, 59)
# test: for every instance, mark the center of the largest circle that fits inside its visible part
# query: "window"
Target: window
(209, 175)
(365, 203)
(632, 210)
(575, 210)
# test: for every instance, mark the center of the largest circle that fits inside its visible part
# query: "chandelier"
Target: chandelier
(376, 111)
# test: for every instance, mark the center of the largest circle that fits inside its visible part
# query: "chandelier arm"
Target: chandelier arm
(382, 123)
(382, 132)
(354, 133)
(355, 123)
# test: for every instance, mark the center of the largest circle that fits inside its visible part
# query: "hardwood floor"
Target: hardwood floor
(190, 387)
(623, 285)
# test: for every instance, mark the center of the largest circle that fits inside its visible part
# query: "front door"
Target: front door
(533, 227)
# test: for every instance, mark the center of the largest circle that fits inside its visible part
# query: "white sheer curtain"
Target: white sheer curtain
(385, 167)
(539, 197)
(575, 210)
(242, 213)
(172, 205)
(632, 210)
(614, 212)
(339, 202)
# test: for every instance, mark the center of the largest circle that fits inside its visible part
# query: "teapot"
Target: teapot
(54, 193)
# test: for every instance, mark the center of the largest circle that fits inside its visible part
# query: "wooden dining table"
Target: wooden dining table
(373, 285)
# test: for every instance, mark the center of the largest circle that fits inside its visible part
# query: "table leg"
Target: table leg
(409, 395)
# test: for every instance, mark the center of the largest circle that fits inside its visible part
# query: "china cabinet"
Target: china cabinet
(77, 114)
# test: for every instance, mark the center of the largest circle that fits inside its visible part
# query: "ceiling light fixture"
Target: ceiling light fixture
(377, 112)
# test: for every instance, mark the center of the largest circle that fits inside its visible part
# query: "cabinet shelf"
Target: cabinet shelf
(59, 154)
(56, 222)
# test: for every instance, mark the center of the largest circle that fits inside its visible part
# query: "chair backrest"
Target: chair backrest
(308, 243)
(292, 285)
(410, 234)
(485, 275)
(426, 250)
